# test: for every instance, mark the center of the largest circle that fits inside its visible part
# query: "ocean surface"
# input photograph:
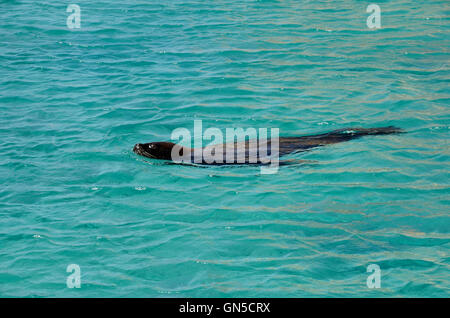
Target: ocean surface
(73, 102)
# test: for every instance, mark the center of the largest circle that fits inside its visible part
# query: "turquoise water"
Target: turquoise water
(74, 102)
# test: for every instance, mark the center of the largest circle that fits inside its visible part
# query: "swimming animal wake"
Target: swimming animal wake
(249, 152)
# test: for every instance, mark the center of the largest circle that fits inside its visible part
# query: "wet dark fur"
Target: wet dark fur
(287, 145)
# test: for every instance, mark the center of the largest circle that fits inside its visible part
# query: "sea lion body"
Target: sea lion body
(256, 151)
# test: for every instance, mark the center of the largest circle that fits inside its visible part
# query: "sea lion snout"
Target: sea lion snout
(147, 150)
(137, 149)
(155, 150)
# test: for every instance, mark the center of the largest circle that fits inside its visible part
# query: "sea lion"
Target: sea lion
(250, 153)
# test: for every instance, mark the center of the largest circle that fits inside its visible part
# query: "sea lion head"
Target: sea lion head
(155, 150)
